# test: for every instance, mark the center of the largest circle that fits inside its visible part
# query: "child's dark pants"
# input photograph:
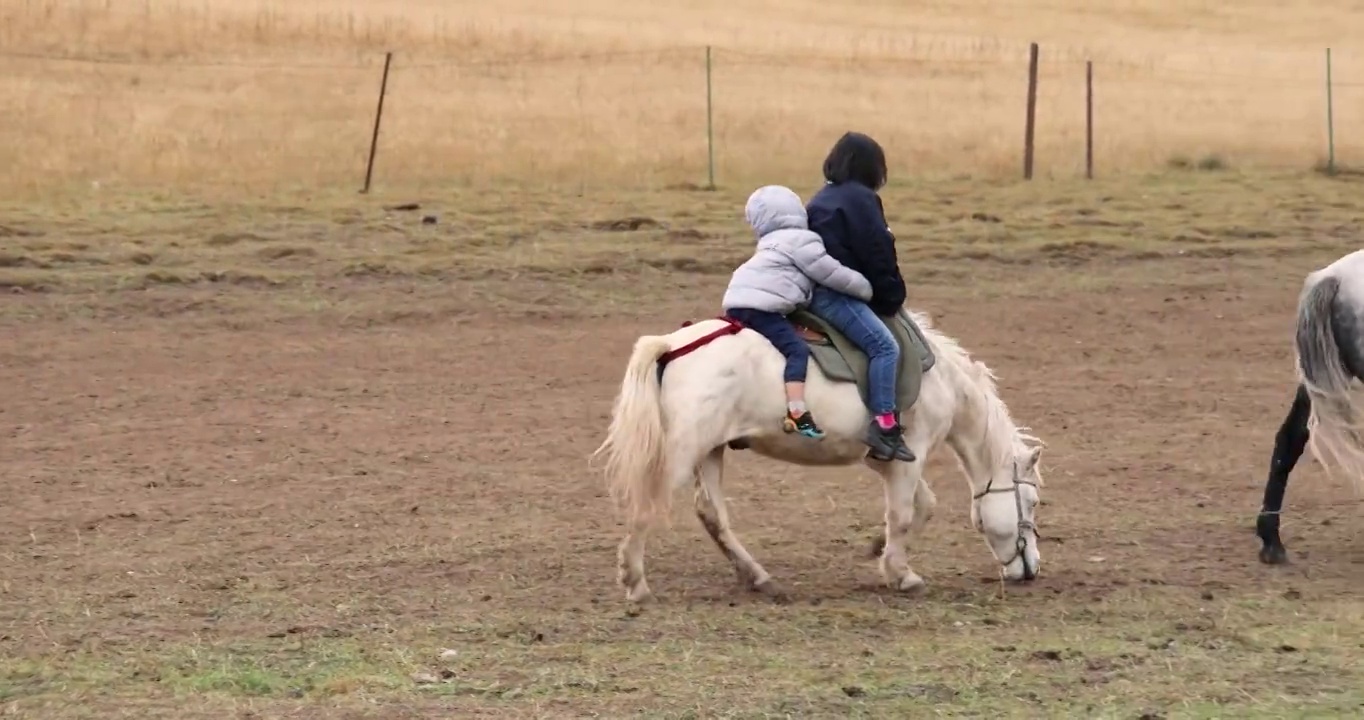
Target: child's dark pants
(781, 333)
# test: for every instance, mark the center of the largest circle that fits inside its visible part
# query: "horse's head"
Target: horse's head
(1004, 511)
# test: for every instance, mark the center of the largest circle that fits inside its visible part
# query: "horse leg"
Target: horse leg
(902, 480)
(925, 502)
(714, 516)
(682, 466)
(1289, 443)
(631, 559)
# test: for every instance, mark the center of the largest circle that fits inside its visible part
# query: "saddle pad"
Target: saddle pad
(841, 360)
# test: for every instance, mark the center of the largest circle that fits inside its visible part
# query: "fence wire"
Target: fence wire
(640, 117)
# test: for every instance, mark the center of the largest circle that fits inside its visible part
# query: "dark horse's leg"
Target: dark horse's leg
(1288, 447)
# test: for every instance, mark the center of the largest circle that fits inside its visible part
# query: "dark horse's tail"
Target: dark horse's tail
(1323, 373)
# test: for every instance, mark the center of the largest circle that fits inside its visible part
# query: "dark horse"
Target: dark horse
(1330, 357)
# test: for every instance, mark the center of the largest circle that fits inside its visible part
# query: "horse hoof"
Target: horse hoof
(1273, 555)
(639, 594)
(772, 591)
(911, 585)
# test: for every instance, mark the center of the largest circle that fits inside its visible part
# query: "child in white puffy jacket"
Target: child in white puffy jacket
(780, 277)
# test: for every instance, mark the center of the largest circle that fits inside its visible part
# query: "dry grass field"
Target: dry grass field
(255, 97)
(274, 449)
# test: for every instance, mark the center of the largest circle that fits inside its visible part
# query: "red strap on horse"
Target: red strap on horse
(731, 327)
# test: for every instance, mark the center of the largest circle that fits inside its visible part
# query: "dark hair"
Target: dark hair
(856, 158)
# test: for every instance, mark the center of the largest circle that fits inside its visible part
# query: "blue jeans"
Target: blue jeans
(781, 333)
(867, 331)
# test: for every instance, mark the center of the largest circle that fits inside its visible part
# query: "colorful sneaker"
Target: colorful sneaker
(804, 424)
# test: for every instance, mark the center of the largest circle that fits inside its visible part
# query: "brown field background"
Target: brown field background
(275, 449)
(254, 97)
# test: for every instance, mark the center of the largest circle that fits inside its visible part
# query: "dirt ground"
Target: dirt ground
(222, 501)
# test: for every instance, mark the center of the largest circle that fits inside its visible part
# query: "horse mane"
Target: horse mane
(997, 417)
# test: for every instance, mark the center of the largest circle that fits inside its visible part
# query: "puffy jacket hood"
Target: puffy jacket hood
(774, 207)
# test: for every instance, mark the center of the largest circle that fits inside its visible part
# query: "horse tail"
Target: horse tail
(1321, 367)
(1323, 373)
(634, 447)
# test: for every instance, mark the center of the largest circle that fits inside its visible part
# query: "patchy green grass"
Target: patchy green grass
(1144, 652)
(946, 230)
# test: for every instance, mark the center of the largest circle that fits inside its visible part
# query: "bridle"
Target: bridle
(1021, 540)
(1024, 525)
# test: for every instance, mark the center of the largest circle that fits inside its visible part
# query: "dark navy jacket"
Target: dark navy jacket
(852, 221)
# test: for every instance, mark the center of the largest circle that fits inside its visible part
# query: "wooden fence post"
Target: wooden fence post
(1089, 119)
(1330, 120)
(1030, 124)
(378, 117)
(710, 126)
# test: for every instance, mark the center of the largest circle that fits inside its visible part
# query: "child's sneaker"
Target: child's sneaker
(888, 444)
(803, 424)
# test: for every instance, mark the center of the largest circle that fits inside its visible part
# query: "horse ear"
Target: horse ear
(1030, 462)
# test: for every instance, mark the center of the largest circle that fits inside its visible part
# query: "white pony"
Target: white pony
(1326, 413)
(670, 428)
(1330, 345)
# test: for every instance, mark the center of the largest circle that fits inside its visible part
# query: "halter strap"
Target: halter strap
(1021, 541)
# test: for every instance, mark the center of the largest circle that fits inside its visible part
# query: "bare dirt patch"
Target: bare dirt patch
(292, 500)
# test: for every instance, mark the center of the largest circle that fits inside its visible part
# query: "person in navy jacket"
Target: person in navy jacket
(848, 214)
